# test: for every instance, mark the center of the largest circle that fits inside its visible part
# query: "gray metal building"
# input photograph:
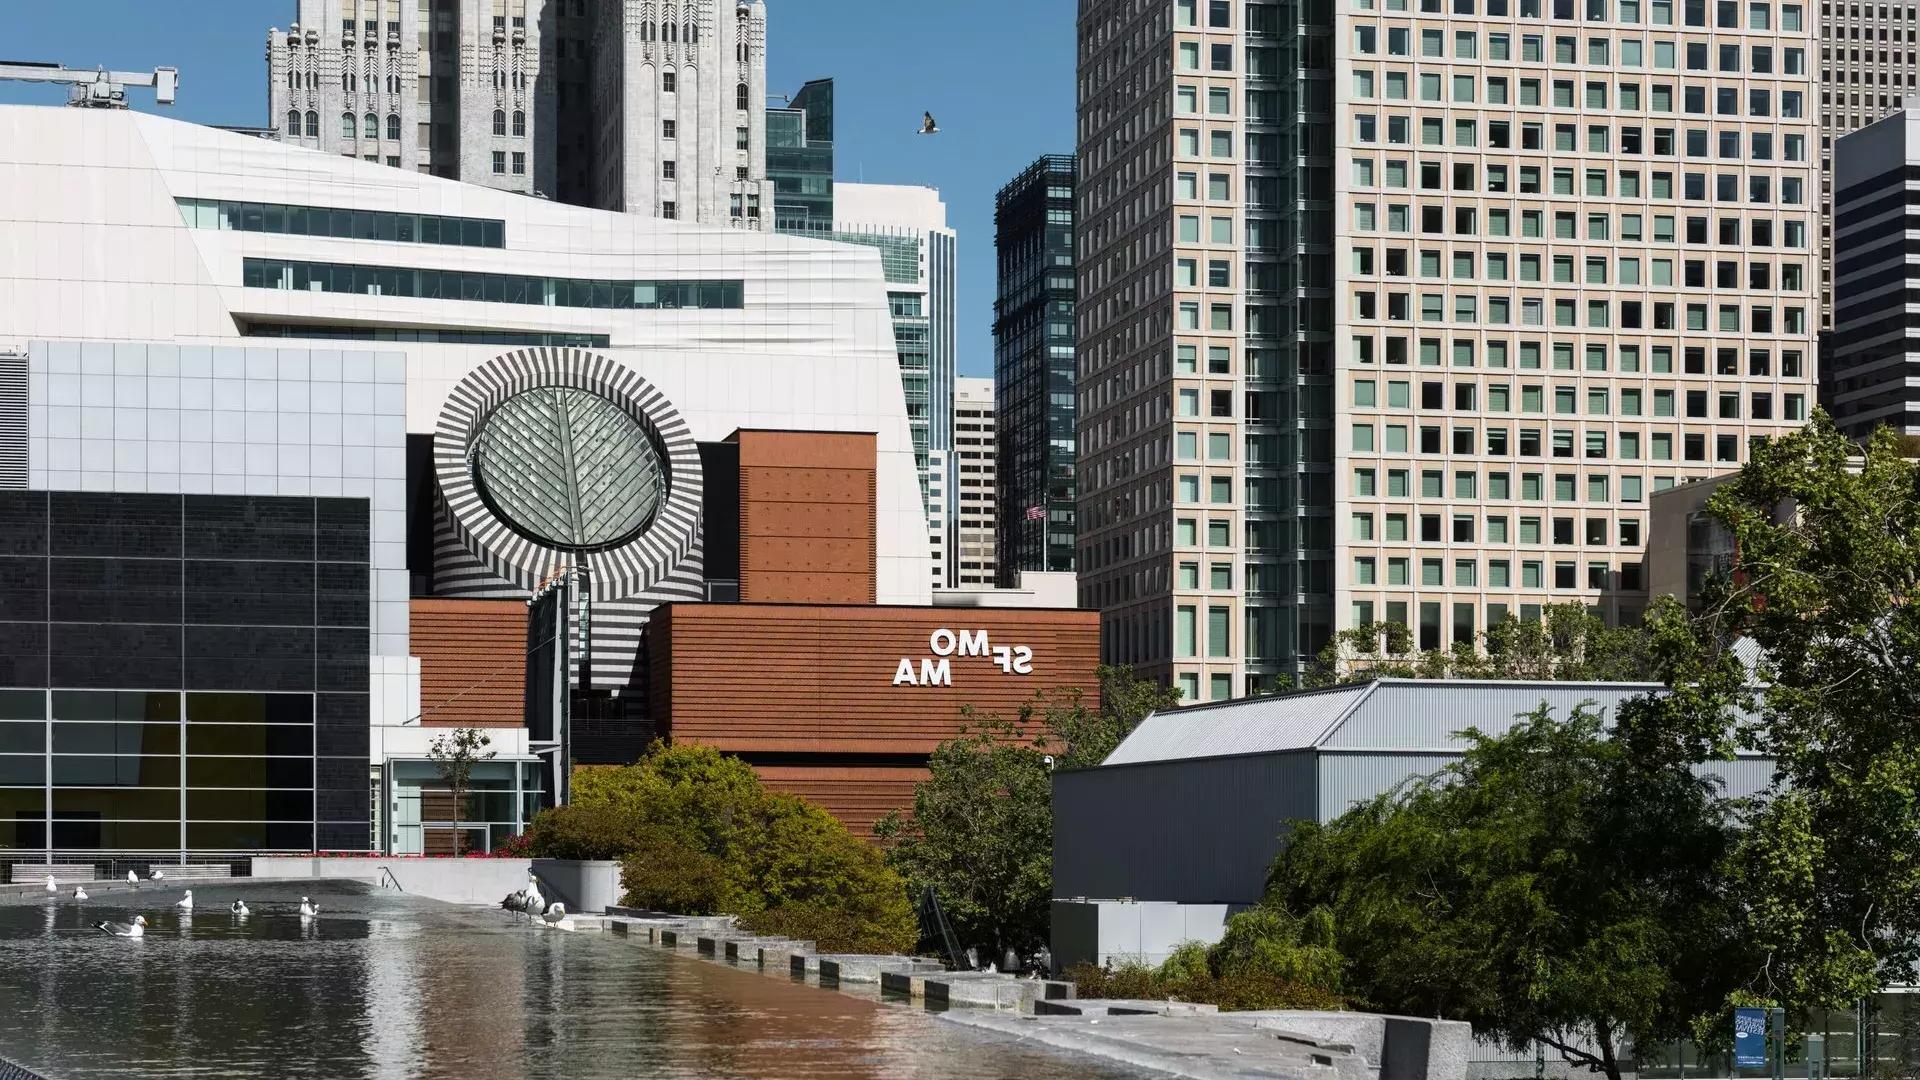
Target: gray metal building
(1192, 808)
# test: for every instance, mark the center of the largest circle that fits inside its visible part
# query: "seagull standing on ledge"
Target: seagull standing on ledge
(186, 902)
(133, 879)
(927, 126)
(79, 893)
(51, 887)
(136, 928)
(157, 874)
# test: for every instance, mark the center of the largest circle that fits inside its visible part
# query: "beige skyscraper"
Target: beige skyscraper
(1399, 310)
(971, 477)
(647, 106)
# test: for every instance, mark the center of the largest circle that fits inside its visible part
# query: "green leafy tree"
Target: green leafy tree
(1553, 886)
(698, 834)
(1567, 643)
(455, 754)
(981, 832)
(1828, 542)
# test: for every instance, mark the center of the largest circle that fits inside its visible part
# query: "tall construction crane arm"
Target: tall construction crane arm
(97, 88)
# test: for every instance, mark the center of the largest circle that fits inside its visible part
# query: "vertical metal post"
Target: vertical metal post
(1816, 1057)
(1777, 1035)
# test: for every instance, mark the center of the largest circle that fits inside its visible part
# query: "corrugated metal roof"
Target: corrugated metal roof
(1260, 725)
(1428, 714)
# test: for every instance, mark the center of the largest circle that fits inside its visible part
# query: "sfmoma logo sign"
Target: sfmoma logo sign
(945, 644)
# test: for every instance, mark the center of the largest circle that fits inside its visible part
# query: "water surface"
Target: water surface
(386, 985)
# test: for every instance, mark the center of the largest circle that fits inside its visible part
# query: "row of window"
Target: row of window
(1534, 137)
(1729, 230)
(1726, 13)
(1534, 574)
(1398, 262)
(1534, 398)
(342, 224)
(1534, 442)
(1632, 52)
(1495, 486)
(494, 288)
(1534, 311)
(1725, 144)
(1528, 355)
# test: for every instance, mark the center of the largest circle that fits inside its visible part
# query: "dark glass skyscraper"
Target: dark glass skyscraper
(800, 160)
(1033, 364)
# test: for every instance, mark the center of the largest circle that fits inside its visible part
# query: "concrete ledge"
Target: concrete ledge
(1394, 1047)
(1119, 1007)
(843, 967)
(1204, 1047)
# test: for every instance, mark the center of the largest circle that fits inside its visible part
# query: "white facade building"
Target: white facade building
(972, 502)
(655, 107)
(120, 227)
(909, 226)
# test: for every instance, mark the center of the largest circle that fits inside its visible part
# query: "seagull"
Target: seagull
(927, 126)
(79, 893)
(51, 887)
(137, 928)
(555, 914)
(534, 902)
(307, 910)
(186, 902)
(133, 879)
(515, 901)
(238, 907)
(157, 874)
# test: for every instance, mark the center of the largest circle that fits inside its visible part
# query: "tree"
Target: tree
(455, 754)
(1828, 543)
(699, 834)
(1567, 643)
(1554, 886)
(981, 832)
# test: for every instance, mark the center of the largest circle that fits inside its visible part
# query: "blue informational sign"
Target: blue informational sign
(1749, 1038)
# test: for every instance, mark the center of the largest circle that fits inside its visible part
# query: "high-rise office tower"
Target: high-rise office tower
(971, 478)
(800, 160)
(646, 106)
(680, 93)
(1869, 381)
(1033, 365)
(917, 250)
(1398, 310)
(1868, 65)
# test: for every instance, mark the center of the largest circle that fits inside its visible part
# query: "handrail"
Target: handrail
(389, 880)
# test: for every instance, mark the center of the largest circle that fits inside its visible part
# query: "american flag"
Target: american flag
(1036, 513)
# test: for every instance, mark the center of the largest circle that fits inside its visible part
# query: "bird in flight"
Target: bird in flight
(927, 126)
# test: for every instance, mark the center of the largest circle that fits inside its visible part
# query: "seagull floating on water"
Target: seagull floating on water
(307, 910)
(51, 887)
(186, 902)
(133, 879)
(238, 907)
(79, 893)
(157, 874)
(136, 928)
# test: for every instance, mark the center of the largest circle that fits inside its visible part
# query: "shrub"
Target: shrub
(833, 929)
(585, 831)
(668, 875)
(697, 834)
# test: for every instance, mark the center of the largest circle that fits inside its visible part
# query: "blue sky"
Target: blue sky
(997, 73)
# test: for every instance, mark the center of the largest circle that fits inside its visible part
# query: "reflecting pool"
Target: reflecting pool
(384, 985)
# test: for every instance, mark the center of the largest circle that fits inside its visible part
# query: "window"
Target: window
(348, 128)
(393, 127)
(499, 121)
(669, 129)
(499, 162)
(519, 124)
(740, 98)
(519, 163)
(669, 210)
(741, 141)
(668, 83)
